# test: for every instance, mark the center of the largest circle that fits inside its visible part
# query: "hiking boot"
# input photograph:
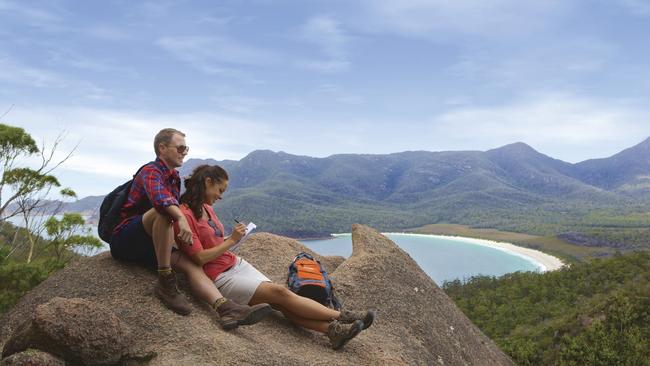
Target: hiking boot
(167, 291)
(232, 314)
(348, 317)
(339, 333)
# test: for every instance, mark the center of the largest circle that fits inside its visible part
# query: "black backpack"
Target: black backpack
(109, 211)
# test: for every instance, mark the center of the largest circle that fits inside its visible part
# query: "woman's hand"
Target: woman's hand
(238, 232)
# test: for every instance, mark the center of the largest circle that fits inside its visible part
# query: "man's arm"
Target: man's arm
(185, 233)
(157, 192)
(164, 202)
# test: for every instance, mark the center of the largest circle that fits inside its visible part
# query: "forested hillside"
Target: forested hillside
(596, 203)
(512, 188)
(595, 313)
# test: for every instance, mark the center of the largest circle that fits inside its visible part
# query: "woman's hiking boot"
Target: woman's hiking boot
(339, 333)
(232, 314)
(167, 291)
(348, 317)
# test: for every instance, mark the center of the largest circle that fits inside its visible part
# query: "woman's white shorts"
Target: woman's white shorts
(240, 281)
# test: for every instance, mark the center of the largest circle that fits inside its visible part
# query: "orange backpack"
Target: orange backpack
(308, 278)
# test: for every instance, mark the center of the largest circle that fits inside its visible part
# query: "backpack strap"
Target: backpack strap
(139, 169)
(303, 255)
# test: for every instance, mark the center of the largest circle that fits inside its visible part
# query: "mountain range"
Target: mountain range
(506, 187)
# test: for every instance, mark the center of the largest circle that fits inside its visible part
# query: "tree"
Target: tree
(14, 143)
(28, 188)
(69, 233)
(36, 211)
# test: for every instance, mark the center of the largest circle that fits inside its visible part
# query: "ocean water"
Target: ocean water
(442, 259)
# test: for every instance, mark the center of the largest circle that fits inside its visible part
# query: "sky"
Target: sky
(317, 78)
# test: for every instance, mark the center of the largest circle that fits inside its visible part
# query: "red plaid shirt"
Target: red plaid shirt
(155, 185)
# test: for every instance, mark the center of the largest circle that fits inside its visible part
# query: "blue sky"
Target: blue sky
(317, 78)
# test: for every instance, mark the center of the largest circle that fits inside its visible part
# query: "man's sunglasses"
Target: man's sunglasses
(180, 148)
(214, 227)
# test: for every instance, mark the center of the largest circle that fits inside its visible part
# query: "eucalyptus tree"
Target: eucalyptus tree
(23, 190)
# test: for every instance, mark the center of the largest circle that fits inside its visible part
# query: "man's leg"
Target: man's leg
(160, 229)
(201, 285)
(162, 234)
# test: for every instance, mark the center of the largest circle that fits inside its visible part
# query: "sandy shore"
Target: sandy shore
(543, 261)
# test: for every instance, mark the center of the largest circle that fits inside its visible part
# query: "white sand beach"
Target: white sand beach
(543, 261)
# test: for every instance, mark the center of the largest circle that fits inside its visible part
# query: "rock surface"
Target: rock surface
(417, 323)
(78, 330)
(32, 358)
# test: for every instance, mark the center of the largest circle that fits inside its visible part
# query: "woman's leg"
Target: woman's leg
(299, 306)
(201, 285)
(307, 313)
(231, 314)
(317, 325)
(339, 334)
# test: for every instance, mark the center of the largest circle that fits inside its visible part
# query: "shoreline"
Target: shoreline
(544, 262)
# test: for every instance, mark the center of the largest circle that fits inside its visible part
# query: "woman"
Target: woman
(240, 281)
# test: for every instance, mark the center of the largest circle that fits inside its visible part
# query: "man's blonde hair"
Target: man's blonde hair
(165, 137)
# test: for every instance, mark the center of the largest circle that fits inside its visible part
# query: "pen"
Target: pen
(237, 221)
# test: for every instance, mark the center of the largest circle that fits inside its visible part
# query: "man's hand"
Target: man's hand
(185, 233)
(238, 232)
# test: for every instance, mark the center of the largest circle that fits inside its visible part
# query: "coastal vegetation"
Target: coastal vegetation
(593, 313)
(46, 240)
(16, 275)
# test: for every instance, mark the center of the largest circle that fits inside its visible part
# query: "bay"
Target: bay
(442, 259)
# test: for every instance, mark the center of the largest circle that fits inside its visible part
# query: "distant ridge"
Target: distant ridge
(305, 196)
(622, 172)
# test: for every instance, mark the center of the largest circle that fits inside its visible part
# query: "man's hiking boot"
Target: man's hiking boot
(348, 317)
(167, 291)
(232, 314)
(339, 333)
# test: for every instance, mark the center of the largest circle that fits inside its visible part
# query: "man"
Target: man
(145, 235)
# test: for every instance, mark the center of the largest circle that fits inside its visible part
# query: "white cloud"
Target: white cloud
(114, 143)
(107, 33)
(439, 19)
(638, 7)
(16, 73)
(334, 92)
(329, 67)
(561, 125)
(212, 55)
(12, 72)
(79, 61)
(556, 62)
(238, 103)
(31, 15)
(326, 32)
(156, 9)
(329, 36)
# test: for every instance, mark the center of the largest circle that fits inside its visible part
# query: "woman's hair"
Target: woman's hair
(195, 186)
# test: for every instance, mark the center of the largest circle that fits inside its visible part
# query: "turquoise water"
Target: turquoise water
(442, 259)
